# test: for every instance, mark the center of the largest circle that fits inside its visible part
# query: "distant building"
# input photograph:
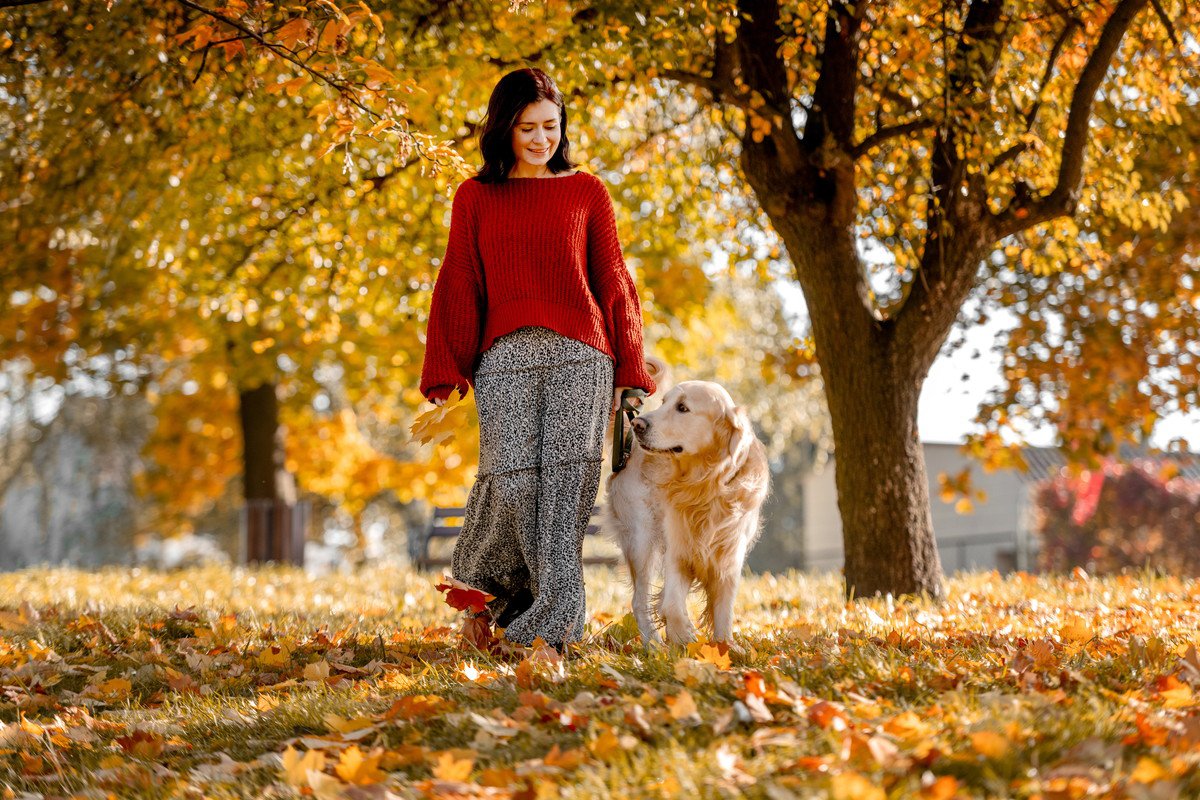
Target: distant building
(998, 534)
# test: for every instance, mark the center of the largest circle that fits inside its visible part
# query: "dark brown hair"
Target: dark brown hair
(510, 96)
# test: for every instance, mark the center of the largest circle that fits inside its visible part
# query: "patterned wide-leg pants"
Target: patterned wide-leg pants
(543, 402)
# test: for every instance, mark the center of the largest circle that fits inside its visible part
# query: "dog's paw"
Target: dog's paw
(681, 635)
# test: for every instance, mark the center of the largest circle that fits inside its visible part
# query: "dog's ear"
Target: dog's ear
(741, 437)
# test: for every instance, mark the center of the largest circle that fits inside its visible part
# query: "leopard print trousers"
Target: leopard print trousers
(543, 402)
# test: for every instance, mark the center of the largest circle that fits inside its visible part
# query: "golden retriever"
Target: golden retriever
(688, 500)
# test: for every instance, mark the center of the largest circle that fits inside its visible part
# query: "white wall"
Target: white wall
(995, 524)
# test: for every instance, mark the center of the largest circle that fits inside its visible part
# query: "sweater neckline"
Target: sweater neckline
(555, 178)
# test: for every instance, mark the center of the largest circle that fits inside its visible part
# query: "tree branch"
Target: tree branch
(1072, 24)
(890, 132)
(837, 83)
(1020, 215)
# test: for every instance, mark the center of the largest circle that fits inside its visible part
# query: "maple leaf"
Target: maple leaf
(440, 423)
(450, 767)
(296, 767)
(142, 744)
(463, 597)
(715, 653)
(360, 768)
(477, 632)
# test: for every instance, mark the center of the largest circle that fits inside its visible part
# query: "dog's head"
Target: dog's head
(698, 421)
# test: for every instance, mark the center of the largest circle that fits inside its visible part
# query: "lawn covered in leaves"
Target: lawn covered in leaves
(268, 683)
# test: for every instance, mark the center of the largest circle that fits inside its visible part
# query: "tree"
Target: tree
(181, 228)
(890, 147)
(1113, 346)
(936, 133)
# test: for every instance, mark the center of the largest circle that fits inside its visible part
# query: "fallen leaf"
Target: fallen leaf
(296, 767)
(359, 768)
(450, 767)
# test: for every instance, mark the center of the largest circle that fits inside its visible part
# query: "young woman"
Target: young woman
(534, 309)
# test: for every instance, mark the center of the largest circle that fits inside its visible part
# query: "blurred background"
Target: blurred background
(218, 265)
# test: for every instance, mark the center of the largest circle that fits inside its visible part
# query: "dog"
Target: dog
(688, 501)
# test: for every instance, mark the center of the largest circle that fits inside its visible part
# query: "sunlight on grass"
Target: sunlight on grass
(267, 682)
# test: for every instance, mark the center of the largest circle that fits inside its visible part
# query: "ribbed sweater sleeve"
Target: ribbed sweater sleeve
(616, 294)
(457, 308)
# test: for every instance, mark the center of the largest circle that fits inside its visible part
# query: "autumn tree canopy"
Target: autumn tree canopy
(257, 193)
(203, 200)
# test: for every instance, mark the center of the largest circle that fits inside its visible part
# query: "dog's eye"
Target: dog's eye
(681, 408)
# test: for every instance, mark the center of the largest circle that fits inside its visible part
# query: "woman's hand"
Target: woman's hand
(616, 403)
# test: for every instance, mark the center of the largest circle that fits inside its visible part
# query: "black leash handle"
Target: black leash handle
(622, 436)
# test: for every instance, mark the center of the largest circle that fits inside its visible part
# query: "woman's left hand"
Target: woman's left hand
(616, 403)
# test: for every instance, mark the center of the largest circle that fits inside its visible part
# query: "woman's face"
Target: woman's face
(536, 134)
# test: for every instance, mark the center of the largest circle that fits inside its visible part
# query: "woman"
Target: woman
(533, 308)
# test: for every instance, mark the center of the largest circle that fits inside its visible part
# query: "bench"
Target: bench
(446, 523)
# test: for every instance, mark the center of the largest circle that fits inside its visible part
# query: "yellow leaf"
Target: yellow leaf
(715, 653)
(451, 768)
(359, 768)
(296, 766)
(1178, 697)
(317, 671)
(347, 725)
(1076, 631)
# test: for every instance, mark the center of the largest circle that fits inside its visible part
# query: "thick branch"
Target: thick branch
(757, 52)
(1062, 199)
(837, 83)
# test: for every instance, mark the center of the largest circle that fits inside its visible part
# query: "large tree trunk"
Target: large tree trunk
(274, 531)
(883, 491)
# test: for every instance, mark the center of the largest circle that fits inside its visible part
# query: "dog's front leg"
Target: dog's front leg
(721, 594)
(641, 569)
(676, 584)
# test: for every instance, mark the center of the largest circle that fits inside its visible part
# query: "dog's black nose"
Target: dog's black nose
(640, 424)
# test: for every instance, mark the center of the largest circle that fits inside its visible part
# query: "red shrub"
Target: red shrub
(1119, 517)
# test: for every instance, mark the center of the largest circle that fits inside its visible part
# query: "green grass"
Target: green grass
(196, 683)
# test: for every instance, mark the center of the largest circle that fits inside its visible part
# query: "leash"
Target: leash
(622, 437)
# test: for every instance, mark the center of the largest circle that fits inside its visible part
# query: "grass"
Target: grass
(268, 683)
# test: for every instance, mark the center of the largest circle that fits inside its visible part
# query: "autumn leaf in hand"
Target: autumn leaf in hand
(463, 597)
(441, 423)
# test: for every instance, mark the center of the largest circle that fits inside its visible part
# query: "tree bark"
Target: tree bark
(883, 490)
(271, 521)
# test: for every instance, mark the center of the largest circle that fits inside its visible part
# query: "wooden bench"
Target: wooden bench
(446, 524)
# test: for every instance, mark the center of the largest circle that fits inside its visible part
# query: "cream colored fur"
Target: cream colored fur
(688, 503)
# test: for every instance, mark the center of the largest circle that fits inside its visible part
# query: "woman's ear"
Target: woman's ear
(741, 437)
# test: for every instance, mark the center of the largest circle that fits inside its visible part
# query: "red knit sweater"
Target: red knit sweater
(533, 251)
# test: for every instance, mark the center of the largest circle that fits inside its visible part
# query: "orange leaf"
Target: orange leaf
(463, 597)
(451, 768)
(359, 768)
(715, 653)
(295, 30)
